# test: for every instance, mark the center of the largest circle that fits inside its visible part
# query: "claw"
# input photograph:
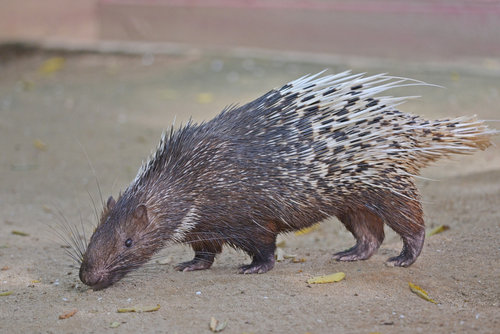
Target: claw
(195, 264)
(258, 267)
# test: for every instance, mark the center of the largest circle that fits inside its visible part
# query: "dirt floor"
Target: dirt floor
(80, 113)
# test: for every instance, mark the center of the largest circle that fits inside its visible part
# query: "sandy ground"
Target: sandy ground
(109, 111)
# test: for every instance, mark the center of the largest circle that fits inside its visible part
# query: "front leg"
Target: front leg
(262, 259)
(204, 255)
(201, 261)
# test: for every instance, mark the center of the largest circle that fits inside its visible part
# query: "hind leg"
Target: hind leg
(204, 255)
(406, 218)
(367, 228)
(412, 246)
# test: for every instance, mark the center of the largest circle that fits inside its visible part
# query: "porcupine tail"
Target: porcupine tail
(442, 138)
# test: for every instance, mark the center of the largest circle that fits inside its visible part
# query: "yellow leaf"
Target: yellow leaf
(22, 234)
(420, 292)
(40, 145)
(168, 94)
(289, 256)
(298, 260)
(6, 293)
(307, 229)
(204, 98)
(337, 277)
(139, 309)
(51, 65)
(27, 85)
(281, 243)
(438, 229)
(455, 76)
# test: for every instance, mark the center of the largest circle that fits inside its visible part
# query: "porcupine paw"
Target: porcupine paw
(402, 260)
(412, 246)
(349, 255)
(194, 264)
(358, 252)
(258, 266)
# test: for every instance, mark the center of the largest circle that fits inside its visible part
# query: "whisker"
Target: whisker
(94, 206)
(70, 237)
(84, 240)
(93, 171)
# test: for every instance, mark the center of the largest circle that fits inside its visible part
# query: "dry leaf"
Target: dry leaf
(68, 314)
(439, 229)
(289, 256)
(281, 243)
(139, 309)
(455, 76)
(216, 325)
(280, 254)
(27, 85)
(165, 260)
(40, 145)
(213, 324)
(327, 278)
(6, 293)
(307, 229)
(420, 292)
(23, 167)
(168, 94)
(204, 98)
(298, 260)
(22, 234)
(114, 324)
(51, 65)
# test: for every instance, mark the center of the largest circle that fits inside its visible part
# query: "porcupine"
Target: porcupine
(318, 147)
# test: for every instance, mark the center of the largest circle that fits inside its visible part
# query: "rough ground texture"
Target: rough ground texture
(109, 111)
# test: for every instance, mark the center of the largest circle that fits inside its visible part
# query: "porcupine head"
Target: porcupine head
(124, 240)
(137, 225)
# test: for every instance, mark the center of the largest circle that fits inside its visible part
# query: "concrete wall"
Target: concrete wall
(387, 28)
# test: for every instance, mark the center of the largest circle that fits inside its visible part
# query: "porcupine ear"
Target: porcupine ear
(141, 215)
(106, 210)
(110, 203)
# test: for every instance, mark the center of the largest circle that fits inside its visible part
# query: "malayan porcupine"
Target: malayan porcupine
(318, 147)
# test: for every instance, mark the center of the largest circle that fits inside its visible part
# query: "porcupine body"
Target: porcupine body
(318, 147)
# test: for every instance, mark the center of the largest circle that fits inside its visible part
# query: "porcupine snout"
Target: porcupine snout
(93, 278)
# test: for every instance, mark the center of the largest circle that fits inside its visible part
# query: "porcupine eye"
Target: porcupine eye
(128, 242)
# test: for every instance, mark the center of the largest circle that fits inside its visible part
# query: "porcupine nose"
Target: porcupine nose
(84, 275)
(88, 276)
